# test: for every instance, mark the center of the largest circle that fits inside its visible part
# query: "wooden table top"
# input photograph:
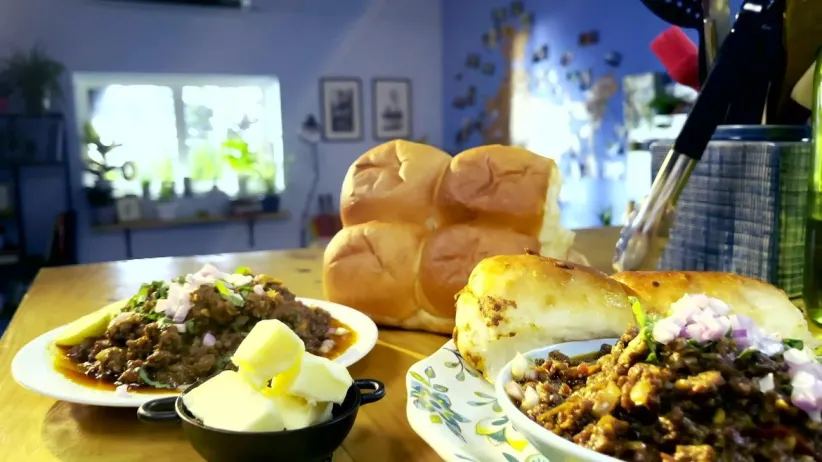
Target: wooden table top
(34, 428)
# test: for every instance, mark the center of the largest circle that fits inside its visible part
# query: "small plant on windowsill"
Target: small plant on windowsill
(36, 76)
(100, 195)
(167, 200)
(240, 158)
(268, 174)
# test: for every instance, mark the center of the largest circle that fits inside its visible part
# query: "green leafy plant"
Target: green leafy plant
(100, 166)
(605, 217)
(239, 157)
(267, 171)
(36, 75)
(167, 193)
(206, 163)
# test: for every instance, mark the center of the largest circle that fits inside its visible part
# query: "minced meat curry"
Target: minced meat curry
(159, 344)
(686, 399)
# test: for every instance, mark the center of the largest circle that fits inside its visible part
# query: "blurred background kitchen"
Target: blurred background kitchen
(134, 129)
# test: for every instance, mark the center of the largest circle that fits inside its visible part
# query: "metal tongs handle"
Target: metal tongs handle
(642, 241)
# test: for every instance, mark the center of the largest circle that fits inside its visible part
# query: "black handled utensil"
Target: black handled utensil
(641, 242)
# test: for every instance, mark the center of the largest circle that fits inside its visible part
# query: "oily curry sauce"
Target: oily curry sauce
(72, 371)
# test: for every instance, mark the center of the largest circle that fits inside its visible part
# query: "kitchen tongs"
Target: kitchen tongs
(642, 241)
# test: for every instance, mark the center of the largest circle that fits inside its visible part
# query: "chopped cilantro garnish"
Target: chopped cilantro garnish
(243, 270)
(190, 327)
(222, 288)
(793, 343)
(646, 329)
(148, 381)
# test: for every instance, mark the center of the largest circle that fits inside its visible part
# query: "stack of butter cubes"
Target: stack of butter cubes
(278, 385)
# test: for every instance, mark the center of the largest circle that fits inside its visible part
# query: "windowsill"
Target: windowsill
(189, 221)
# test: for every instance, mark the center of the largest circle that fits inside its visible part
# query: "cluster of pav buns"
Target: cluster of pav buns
(416, 221)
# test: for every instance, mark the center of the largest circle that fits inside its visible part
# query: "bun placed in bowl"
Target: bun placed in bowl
(393, 182)
(516, 303)
(768, 306)
(452, 252)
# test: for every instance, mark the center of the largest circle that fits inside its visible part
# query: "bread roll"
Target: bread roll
(452, 252)
(446, 215)
(768, 306)
(517, 303)
(393, 182)
(501, 185)
(373, 267)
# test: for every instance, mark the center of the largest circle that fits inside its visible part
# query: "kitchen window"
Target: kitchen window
(172, 127)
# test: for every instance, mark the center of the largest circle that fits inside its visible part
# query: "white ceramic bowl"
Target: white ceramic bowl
(550, 445)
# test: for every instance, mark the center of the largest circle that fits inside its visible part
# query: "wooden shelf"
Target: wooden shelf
(190, 221)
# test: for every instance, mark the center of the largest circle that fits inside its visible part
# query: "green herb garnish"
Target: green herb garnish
(148, 381)
(228, 294)
(646, 329)
(244, 270)
(222, 288)
(190, 327)
(793, 343)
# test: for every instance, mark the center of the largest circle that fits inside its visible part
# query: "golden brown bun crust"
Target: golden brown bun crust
(452, 252)
(769, 307)
(393, 182)
(372, 267)
(516, 303)
(496, 186)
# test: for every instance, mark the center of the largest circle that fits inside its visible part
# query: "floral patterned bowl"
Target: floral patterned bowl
(454, 409)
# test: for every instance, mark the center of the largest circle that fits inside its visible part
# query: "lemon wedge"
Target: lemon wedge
(91, 325)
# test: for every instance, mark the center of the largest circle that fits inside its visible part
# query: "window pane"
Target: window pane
(214, 114)
(141, 119)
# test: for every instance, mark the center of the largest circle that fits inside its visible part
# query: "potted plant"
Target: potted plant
(101, 195)
(240, 158)
(166, 201)
(268, 174)
(36, 76)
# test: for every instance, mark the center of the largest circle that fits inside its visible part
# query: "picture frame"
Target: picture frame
(342, 108)
(393, 113)
(129, 208)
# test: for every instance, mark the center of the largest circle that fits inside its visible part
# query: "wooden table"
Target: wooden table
(34, 428)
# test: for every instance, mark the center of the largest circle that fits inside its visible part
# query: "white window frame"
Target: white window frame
(83, 82)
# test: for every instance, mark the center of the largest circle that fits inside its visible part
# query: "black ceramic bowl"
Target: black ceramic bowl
(316, 443)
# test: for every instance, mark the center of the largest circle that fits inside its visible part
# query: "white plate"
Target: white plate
(456, 412)
(33, 365)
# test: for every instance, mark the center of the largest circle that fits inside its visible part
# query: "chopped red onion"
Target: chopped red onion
(209, 339)
(181, 328)
(258, 289)
(530, 399)
(737, 333)
(327, 346)
(766, 383)
(340, 331)
(514, 390)
(121, 391)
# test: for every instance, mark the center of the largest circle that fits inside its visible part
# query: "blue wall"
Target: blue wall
(298, 41)
(624, 26)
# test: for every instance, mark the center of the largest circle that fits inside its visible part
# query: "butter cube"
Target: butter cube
(298, 413)
(316, 379)
(269, 349)
(228, 402)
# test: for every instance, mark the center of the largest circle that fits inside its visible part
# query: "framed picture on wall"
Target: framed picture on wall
(341, 100)
(392, 108)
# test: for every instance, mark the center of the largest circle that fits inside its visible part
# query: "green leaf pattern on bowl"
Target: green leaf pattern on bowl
(456, 396)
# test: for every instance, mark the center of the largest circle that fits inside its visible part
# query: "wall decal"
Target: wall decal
(588, 38)
(613, 59)
(472, 61)
(498, 15)
(541, 54)
(458, 76)
(517, 8)
(508, 31)
(490, 38)
(488, 69)
(526, 20)
(566, 58)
